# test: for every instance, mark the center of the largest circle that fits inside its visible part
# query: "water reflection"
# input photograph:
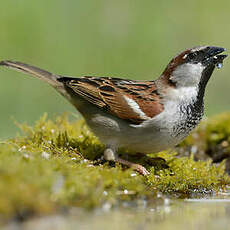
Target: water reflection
(164, 214)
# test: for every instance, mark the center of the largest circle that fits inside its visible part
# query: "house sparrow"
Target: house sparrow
(142, 116)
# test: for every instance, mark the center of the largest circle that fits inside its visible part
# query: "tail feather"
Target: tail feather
(34, 71)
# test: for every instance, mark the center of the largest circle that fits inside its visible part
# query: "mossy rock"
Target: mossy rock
(56, 165)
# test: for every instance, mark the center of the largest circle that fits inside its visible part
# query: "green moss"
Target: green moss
(54, 165)
(211, 139)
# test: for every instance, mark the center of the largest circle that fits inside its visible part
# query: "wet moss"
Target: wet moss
(55, 165)
(211, 140)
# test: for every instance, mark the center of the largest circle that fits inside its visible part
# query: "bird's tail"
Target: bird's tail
(34, 71)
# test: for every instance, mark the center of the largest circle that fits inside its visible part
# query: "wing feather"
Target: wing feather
(135, 101)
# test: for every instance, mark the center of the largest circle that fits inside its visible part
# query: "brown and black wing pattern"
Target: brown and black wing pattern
(111, 94)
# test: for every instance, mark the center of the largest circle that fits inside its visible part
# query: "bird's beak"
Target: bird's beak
(213, 56)
(212, 51)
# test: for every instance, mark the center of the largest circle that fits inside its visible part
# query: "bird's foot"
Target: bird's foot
(137, 167)
(110, 155)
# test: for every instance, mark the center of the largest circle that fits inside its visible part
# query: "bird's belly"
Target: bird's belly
(137, 139)
(164, 131)
(150, 141)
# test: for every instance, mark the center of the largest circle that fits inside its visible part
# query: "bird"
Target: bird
(143, 116)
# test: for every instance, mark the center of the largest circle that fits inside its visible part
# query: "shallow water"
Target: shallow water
(204, 213)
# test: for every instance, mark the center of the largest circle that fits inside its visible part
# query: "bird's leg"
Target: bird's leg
(110, 155)
(137, 167)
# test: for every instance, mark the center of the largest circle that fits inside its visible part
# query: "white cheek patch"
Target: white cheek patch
(135, 107)
(187, 74)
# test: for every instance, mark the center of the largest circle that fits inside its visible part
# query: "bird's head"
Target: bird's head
(193, 67)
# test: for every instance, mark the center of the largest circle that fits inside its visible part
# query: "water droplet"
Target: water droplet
(219, 65)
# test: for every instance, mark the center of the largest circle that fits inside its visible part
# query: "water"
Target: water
(164, 214)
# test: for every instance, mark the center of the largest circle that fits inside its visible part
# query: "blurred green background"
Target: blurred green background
(129, 39)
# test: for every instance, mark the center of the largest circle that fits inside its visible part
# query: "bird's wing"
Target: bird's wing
(134, 101)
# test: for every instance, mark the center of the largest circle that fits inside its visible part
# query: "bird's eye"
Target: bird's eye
(192, 55)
